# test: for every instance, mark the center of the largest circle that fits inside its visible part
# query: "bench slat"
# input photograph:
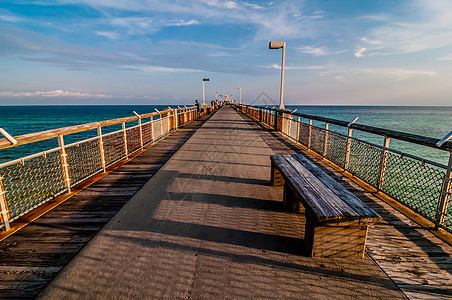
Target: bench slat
(328, 197)
(322, 213)
(292, 178)
(368, 216)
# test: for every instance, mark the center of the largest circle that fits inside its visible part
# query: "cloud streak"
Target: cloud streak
(425, 25)
(52, 94)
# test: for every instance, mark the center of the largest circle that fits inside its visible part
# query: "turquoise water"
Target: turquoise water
(18, 120)
(434, 122)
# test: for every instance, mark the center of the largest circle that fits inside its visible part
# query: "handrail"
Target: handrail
(53, 133)
(422, 185)
(30, 181)
(399, 135)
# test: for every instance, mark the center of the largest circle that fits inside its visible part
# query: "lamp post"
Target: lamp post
(203, 91)
(216, 98)
(278, 45)
(240, 89)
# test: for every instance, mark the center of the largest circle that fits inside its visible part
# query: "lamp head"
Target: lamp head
(276, 45)
(205, 79)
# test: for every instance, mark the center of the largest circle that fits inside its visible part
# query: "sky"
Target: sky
(349, 52)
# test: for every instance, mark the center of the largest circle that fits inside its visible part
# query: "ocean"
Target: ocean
(433, 122)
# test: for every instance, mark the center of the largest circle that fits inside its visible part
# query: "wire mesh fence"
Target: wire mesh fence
(419, 184)
(29, 182)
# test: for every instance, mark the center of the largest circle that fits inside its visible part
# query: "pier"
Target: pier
(194, 217)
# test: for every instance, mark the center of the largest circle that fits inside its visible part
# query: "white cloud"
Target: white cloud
(389, 73)
(276, 66)
(160, 69)
(184, 23)
(421, 25)
(446, 57)
(394, 73)
(359, 53)
(314, 51)
(108, 34)
(285, 19)
(53, 94)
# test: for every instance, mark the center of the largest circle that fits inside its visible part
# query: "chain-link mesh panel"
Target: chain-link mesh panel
(171, 122)
(413, 183)
(147, 133)
(365, 161)
(84, 160)
(317, 140)
(336, 148)
(157, 129)
(165, 125)
(293, 129)
(113, 147)
(31, 183)
(303, 137)
(448, 218)
(133, 139)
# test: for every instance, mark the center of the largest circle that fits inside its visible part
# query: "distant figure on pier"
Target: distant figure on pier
(198, 106)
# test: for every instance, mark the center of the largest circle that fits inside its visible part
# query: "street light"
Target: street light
(203, 91)
(278, 45)
(240, 89)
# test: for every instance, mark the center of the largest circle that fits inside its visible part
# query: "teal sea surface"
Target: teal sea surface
(429, 121)
(433, 122)
(19, 120)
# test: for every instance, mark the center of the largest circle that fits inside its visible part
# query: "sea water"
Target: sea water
(429, 121)
(433, 122)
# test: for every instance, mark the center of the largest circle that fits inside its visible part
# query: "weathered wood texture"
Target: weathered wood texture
(31, 257)
(334, 206)
(419, 262)
(336, 221)
(52, 133)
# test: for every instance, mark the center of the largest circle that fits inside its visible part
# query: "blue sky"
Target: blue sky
(349, 52)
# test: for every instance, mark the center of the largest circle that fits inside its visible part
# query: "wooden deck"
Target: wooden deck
(31, 257)
(218, 231)
(208, 225)
(418, 262)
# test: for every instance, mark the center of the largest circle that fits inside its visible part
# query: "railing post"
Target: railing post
(275, 121)
(168, 121)
(161, 125)
(347, 149)
(349, 142)
(325, 141)
(298, 129)
(445, 195)
(383, 162)
(309, 133)
(175, 119)
(124, 133)
(3, 207)
(64, 163)
(152, 128)
(101, 148)
(141, 129)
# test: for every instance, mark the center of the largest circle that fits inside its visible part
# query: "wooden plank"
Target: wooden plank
(326, 196)
(34, 255)
(368, 215)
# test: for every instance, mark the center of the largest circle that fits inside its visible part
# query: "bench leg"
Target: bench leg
(276, 178)
(290, 201)
(336, 241)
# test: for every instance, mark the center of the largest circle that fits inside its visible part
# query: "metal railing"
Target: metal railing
(422, 185)
(28, 182)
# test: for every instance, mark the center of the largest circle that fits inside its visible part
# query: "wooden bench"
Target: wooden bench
(336, 221)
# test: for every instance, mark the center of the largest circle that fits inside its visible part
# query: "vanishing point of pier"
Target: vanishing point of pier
(194, 216)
